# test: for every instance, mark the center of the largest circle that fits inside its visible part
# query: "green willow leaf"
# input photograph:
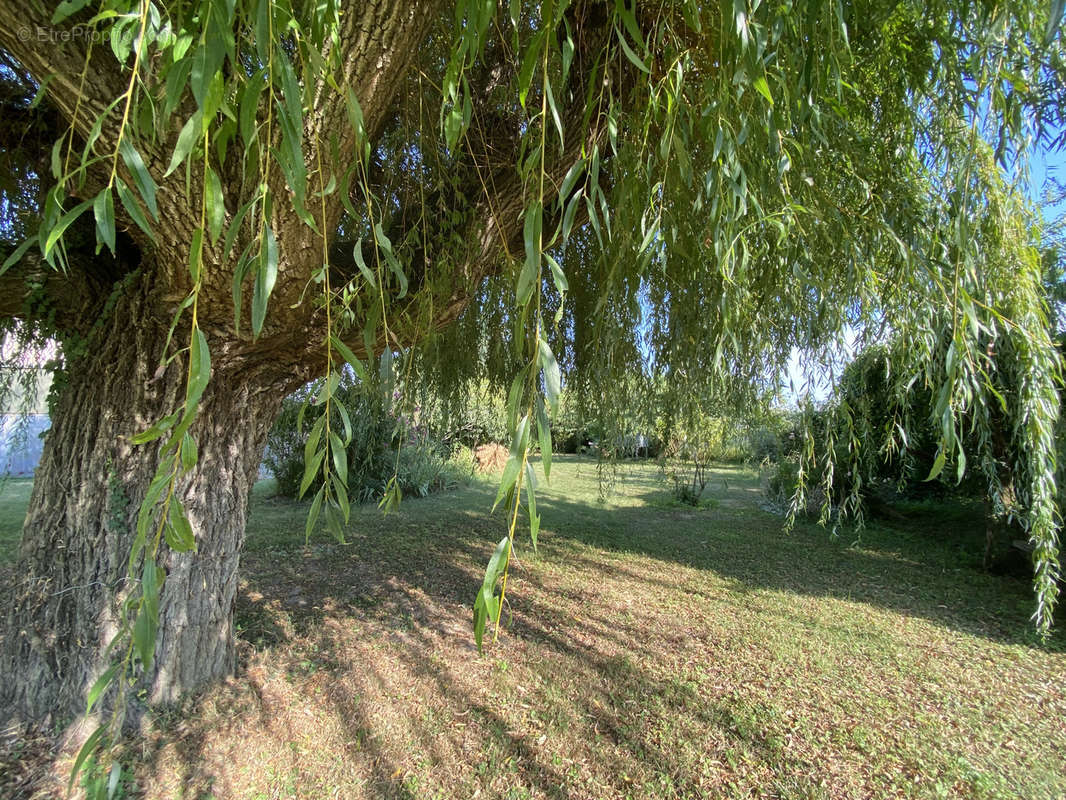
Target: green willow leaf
(310, 471)
(17, 254)
(99, 686)
(189, 452)
(266, 276)
(938, 465)
(104, 213)
(141, 178)
(179, 534)
(346, 420)
(486, 605)
(558, 276)
(334, 522)
(216, 204)
(177, 79)
(235, 228)
(453, 126)
(151, 583)
(61, 226)
(340, 494)
(632, 56)
(144, 638)
(552, 374)
(357, 254)
(351, 358)
(340, 458)
(68, 8)
(555, 114)
(147, 511)
(511, 470)
(313, 440)
(156, 431)
(92, 742)
(187, 139)
(763, 88)
(199, 370)
(196, 250)
(133, 208)
(544, 436)
(629, 21)
(529, 64)
(1054, 19)
(531, 234)
(531, 500)
(573, 175)
(312, 514)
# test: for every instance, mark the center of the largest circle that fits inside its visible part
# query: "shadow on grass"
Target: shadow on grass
(409, 582)
(627, 713)
(410, 579)
(929, 566)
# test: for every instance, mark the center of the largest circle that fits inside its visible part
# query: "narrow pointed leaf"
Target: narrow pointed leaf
(104, 212)
(87, 749)
(199, 369)
(99, 687)
(544, 435)
(265, 277)
(64, 222)
(141, 178)
(187, 139)
(312, 515)
(216, 204)
(552, 374)
(133, 208)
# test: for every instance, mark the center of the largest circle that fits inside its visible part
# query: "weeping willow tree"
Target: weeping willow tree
(222, 200)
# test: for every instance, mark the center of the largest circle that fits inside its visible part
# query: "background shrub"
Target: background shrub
(384, 443)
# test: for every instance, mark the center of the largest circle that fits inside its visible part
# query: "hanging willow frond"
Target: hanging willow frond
(617, 196)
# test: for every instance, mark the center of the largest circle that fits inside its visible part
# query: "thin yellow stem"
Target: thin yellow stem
(510, 547)
(77, 102)
(129, 93)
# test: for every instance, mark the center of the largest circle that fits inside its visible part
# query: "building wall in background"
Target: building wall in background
(21, 442)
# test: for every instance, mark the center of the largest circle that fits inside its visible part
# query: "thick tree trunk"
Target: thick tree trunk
(78, 530)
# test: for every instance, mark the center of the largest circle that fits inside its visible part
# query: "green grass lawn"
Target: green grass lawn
(14, 497)
(649, 650)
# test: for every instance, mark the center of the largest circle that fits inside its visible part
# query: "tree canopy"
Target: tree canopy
(532, 192)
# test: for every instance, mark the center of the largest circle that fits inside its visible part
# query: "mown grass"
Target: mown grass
(14, 497)
(649, 650)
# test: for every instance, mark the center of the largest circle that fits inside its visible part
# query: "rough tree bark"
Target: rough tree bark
(76, 540)
(83, 510)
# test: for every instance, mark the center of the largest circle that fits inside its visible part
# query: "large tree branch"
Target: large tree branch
(80, 86)
(490, 195)
(66, 302)
(70, 301)
(377, 44)
(441, 288)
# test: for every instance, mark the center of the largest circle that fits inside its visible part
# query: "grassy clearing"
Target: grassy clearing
(650, 650)
(14, 497)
